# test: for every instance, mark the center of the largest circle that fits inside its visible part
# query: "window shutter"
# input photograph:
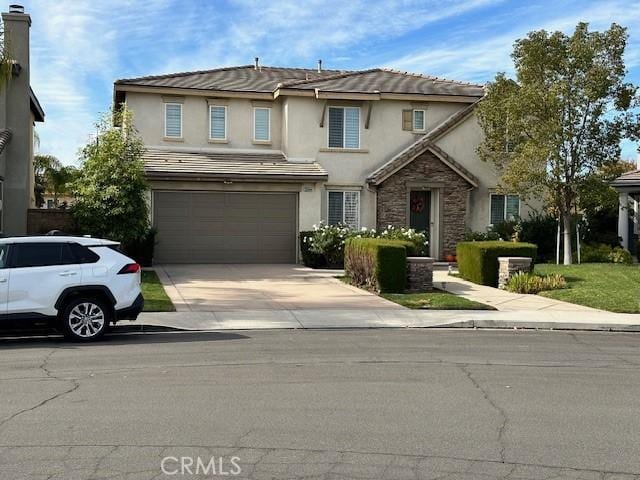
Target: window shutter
(352, 127)
(173, 120)
(497, 209)
(218, 123)
(513, 207)
(407, 119)
(335, 208)
(336, 127)
(352, 209)
(261, 126)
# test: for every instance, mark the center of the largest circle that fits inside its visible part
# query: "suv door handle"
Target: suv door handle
(67, 273)
(3, 280)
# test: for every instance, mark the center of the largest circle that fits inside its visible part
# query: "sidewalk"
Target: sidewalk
(401, 318)
(500, 299)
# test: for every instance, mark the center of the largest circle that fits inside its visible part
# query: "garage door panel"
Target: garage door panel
(216, 227)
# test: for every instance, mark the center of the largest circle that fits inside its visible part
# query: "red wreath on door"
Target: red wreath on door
(417, 205)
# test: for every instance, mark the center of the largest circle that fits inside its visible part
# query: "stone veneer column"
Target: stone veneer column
(508, 266)
(419, 274)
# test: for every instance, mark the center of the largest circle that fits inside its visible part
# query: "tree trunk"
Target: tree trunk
(566, 224)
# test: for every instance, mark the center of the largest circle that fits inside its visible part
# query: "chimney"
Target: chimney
(319, 65)
(17, 117)
(256, 64)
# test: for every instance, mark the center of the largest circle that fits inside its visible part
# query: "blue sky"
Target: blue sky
(79, 48)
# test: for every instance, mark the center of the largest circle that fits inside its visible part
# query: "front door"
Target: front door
(420, 210)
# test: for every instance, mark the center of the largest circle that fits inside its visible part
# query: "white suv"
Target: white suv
(80, 284)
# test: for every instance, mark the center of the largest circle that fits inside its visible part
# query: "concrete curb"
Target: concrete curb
(356, 319)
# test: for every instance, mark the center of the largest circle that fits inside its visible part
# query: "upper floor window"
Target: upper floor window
(418, 121)
(262, 124)
(504, 208)
(217, 122)
(173, 120)
(414, 120)
(344, 127)
(344, 208)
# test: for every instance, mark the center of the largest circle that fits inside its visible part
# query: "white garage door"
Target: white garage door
(207, 227)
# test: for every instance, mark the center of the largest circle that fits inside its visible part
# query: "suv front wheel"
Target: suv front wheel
(85, 318)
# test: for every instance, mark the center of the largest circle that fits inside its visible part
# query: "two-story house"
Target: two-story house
(241, 159)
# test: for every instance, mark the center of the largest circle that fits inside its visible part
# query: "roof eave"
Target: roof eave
(280, 178)
(36, 108)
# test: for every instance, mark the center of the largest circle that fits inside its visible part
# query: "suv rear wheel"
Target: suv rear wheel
(85, 318)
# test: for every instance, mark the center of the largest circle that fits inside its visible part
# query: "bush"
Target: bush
(310, 258)
(418, 241)
(377, 264)
(141, 249)
(327, 241)
(473, 236)
(478, 261)
(523, 282)
(601, 253)
(541, 230)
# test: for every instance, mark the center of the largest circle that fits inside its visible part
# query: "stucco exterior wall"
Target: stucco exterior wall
(149, 120)
(461, 143)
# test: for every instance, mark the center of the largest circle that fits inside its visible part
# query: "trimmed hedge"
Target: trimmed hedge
(377, 264)
(309, 258)
(478, 261)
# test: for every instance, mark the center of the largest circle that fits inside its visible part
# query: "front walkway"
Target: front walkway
(502, 300)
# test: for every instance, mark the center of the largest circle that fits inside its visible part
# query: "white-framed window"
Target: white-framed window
(217, 122)
(343, 208)
(504, 208)
(173, 120)
(419, 120)
(261, 124)
(344, 127)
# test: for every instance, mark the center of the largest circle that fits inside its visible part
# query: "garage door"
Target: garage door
(205, 227)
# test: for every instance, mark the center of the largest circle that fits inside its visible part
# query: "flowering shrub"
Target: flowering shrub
(329, 240)
(419, 240)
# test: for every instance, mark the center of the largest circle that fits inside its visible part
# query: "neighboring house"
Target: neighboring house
(19, 110)
(241, 159)
(628, 187)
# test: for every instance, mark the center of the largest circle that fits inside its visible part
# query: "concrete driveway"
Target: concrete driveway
(208, 288)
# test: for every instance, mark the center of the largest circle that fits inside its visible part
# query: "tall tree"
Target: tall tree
(42, 168)
(111, 191)
(561, 118)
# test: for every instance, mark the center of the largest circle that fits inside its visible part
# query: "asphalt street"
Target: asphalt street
(334, 404)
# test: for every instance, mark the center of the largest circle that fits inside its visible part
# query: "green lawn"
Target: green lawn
(606, 286)
(435, 300)
(155, 298)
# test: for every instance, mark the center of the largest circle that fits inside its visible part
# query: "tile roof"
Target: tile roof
(379, 80)
(5, 136)
(426, 142)
(167, 164)
(629, 179)
(246, 78)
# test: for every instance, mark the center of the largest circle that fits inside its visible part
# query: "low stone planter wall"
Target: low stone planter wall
(509, 266)
(419, 274)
